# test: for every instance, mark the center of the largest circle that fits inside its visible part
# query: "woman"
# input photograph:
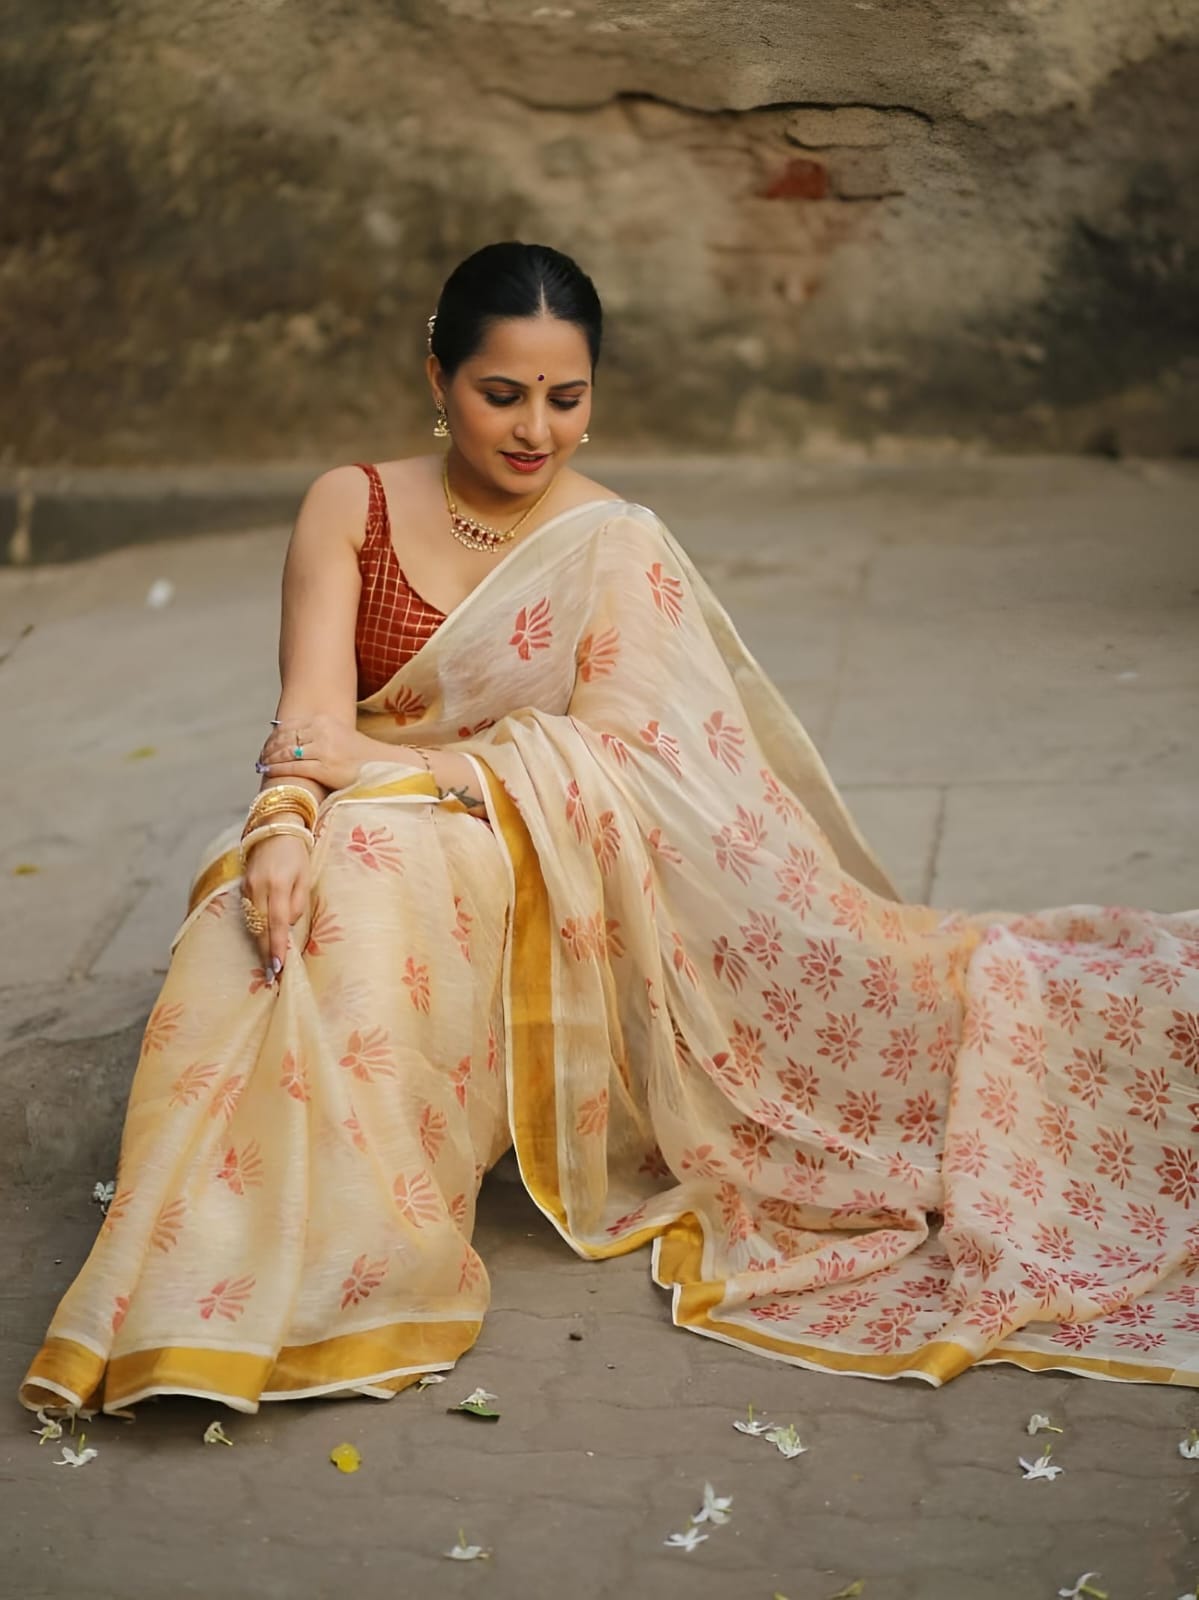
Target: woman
(541, 857)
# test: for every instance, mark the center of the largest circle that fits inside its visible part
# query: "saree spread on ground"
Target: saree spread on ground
(864, 1136)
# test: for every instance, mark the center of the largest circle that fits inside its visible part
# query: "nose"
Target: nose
(531, 427)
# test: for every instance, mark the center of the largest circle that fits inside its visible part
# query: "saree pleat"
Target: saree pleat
(863, 1136)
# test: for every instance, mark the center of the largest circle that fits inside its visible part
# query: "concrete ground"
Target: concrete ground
(1000, 662)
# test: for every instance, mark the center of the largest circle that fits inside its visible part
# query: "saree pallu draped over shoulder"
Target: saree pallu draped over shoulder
(863, 1136)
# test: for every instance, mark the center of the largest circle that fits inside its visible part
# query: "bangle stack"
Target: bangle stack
(284, 808)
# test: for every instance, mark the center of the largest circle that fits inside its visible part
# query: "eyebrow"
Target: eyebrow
(498, 377)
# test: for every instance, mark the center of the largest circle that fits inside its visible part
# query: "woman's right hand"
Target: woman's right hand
(278, 879)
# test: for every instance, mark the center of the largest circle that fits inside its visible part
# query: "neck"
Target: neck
(475, 493)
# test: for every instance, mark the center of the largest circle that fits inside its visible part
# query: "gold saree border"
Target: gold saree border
(680, 1258)
(64, 1369)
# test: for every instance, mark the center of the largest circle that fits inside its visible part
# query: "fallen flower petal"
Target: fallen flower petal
(685, 1541)
(754, 1425)
(426, 1378)
(104, 1194)
(479, 1397)
(80, 1458)
(786, 1441)
(467, 1552)
(850, 1590)
(1083, 1587)
(345, 1458)
(50, 1428)
(215, 1434)
(475, 1405)
(1042, 1467)
(1188, 1448)
(1039, 1424)
(715, 1508)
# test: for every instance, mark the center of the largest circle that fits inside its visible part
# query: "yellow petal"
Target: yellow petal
(345, 1458)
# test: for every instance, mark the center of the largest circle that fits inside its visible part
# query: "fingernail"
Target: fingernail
(260, 766)
(268, 977)
(277, 965)
(275, 723)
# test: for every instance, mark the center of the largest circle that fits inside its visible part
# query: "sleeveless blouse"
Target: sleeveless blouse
(393, 620)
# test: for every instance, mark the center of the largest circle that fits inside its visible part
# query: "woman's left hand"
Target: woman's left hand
(333, 753)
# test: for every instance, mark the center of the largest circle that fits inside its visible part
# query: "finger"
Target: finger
(277, 911)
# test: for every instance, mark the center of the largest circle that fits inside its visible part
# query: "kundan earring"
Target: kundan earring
(441, 428)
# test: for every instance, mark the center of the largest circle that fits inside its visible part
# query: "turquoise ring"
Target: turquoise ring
(298, 752)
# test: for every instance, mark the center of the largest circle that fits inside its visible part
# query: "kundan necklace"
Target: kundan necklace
(478, 535)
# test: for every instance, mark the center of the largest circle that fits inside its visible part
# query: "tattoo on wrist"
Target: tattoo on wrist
(472, 802)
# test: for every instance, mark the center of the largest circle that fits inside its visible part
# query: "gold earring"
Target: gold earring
(586, 439)
(441, 428)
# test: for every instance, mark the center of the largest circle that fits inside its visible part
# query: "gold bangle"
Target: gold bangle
(281, 812)
(284, 793)
(271, 830)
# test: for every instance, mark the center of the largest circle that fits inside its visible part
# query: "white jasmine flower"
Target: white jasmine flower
(467, 1552)
(1039, 1424)
(479, 1397)
(1041, 1468)
(104, 1194)
(715, 1508)
(50, 1428)
(426, 1378)
(754, 1426)
(1083, 1587)
(71, 1458)
(785, 1441)
(1188, 1448)
(685, 1541)
(215, 1434)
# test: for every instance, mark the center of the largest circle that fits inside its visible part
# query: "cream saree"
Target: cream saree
(863, 1136)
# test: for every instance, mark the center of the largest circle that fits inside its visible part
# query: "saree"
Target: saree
(860, 1135)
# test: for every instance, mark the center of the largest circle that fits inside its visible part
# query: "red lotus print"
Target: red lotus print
(1042, 1282)
(598, 654)
(458, 1204)
(860, 1114)
(227, 1298)
(966, 1153)
(1164, 975)
(920, 1119)
(891, 1330)
(120, 1311)
(662, 849)
(532, 630)
(748, 1048)
(900, 1053)
(576, 810)
(1087, 1073)
(1145, 1222)
(365, 1276)
(1028, 1178)
(417, 1198)
(468, 732)
(616, 748)
(682, 962)
(943, 1051)
(403, 707)
(667, 593)
(257, 980)
(978, 1025)
(763, 939)
(701, 1161)
(998, 1101)
(782, 1009)
(784, 805)
(842, 1035)
(416, 981)
(655, 1164)
(726, 741)
(728, 964)
(161, 1028)
(1114, 1153)
(354, 1127)
(1184, 1036)
(1006, 977)
(224, 1101)
(324, 929)
(799, 1084)
(821, 966)
(925, 989)
(737, 1220)
(1119, 1258)
(852, 908)
(168, 1223)
(993, 1312)
(1074, 1336)
(368, 1055)
(1063, 1002)
(375, 849)
(892, 926)
(1085, 1202)
(881, 985)
(664, 745)
(433, 1129)
(1145, 1343)
(241, 1169)
(1027, 1040)
(735, 853)
(1125, 1018)
(996, 1210)
(1058, 1133)
(898, 1166)
(463, 922)
(606, 841)
(472, 1270)
(117, 1208)
(293, 1078)
(1149, 1093)
(460, 1077)
(1179, 1172)
(797, 879)
(192, 1082)
(751, 1146)
(593, 1114)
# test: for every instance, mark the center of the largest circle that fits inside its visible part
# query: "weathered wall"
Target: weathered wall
(812, 221)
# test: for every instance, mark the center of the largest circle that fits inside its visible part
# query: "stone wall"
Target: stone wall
(816, 224)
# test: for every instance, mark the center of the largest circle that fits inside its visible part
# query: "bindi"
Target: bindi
(541, 377)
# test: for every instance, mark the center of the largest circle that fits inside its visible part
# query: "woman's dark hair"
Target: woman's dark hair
(512, 280)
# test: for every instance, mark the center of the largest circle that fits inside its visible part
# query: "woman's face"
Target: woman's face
(526, 392)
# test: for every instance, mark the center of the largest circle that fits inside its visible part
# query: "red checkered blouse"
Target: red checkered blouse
(393, 620)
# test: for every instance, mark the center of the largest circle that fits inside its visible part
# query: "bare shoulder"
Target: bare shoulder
(578, 489)
(334, 504)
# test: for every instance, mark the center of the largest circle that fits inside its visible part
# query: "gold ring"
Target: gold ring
(256, 920)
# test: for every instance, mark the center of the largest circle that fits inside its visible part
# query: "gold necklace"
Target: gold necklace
(478, 535)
